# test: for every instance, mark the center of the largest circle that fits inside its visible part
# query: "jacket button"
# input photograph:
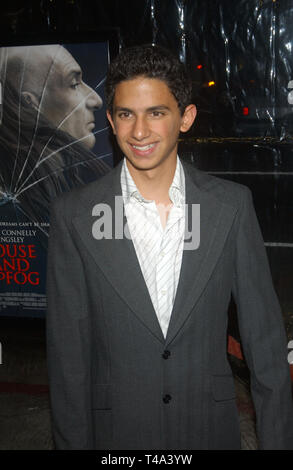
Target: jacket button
(167, 398)
(166, 354)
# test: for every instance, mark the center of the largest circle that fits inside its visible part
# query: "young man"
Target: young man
(137, 323)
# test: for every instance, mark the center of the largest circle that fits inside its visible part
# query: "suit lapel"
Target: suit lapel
(197, 265)
(117, 258)
(118, 261)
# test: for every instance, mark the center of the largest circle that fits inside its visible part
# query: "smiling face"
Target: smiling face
(146, 121)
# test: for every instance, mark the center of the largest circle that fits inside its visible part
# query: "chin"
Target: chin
(150, 161)
(89, 142)
(142, 165)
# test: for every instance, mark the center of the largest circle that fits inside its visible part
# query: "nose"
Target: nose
(140, 129)
(93, 100)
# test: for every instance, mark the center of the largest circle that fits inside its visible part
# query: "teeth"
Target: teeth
(143, 149)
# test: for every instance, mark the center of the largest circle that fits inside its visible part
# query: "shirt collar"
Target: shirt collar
(176, 190)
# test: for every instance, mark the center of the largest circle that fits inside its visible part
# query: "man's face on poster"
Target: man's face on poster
(68, 102)
(53, 84)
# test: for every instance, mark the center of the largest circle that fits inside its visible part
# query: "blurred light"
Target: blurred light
(245, 111)
(212, 83)
(199, 66)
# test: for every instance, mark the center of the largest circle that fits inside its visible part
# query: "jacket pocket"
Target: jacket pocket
(223, 387)
(102, 397)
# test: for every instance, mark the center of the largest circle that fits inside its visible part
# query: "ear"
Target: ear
(110, 119)
(188, 117)
(30, 99)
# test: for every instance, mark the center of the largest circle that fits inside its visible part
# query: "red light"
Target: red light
(199, 66)
(245, 111)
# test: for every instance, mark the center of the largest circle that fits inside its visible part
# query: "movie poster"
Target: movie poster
(53, 138)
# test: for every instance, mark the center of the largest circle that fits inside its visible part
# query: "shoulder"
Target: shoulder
(225, 191)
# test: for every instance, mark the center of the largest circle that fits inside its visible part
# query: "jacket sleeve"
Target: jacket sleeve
(68, 344)
(262, 334)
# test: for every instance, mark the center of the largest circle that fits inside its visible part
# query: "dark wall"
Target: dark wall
(245, 119)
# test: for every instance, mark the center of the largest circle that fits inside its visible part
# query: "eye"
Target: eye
(157, 113)
(74, 85)
(124, 115)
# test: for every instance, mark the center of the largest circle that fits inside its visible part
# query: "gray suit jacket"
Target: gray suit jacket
(115, 382)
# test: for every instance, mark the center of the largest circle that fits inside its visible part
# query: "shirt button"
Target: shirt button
(167, 398)
(166, 354)
(162, 254)
(163, 292)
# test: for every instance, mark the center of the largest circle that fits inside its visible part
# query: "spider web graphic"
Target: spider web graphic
(38, 111)
(19, 189)
(19, 121)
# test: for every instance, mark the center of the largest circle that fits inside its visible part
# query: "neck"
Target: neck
(154, 184)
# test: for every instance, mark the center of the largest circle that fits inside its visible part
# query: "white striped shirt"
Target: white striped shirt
(159, 250)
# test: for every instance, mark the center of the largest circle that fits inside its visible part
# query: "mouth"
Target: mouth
(143, 150)
(91, 125)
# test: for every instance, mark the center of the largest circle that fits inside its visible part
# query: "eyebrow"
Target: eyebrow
(160, 107)
(74, 73)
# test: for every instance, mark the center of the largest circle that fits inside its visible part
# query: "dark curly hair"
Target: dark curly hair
(151, 62)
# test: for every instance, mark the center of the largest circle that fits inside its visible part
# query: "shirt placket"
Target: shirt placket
(165, 283)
